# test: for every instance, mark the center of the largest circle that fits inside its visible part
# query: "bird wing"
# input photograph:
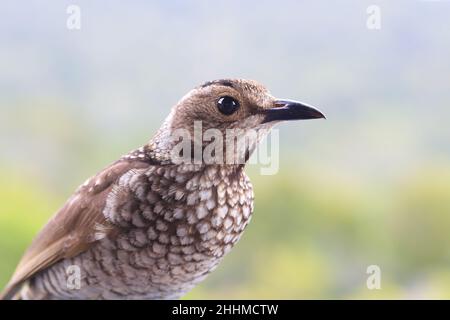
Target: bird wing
(74, 228)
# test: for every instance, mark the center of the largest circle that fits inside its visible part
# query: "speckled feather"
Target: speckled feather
(173, 224)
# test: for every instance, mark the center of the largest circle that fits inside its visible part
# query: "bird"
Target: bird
(156, 222)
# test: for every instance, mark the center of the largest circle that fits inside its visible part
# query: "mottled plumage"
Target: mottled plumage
(146, 227)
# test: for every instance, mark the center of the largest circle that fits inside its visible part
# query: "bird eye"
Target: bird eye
(227, 105)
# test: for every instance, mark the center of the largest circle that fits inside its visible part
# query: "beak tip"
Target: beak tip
(316, 114)
(292, 110)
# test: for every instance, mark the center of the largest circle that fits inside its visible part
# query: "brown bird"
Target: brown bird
(154, 223)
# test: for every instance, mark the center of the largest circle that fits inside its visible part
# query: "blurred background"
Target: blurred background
(369, 186)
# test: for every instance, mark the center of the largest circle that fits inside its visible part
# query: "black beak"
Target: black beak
(291, 110)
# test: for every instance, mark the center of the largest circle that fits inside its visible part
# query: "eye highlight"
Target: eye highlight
(227, 105)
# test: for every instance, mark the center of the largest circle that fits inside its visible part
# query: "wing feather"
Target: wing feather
(74, 228)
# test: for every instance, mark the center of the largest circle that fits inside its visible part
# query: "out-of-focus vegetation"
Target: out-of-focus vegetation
(369, 186)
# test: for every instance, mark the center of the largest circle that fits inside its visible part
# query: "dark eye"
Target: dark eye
(227, 105)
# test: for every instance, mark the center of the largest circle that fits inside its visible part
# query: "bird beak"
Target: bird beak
(291, 110)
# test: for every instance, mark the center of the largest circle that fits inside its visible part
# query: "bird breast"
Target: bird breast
(179, 221)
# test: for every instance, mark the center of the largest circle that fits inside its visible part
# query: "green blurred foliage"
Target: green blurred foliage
(24, 208)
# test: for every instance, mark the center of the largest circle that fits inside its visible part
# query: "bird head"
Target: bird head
(227, 114)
